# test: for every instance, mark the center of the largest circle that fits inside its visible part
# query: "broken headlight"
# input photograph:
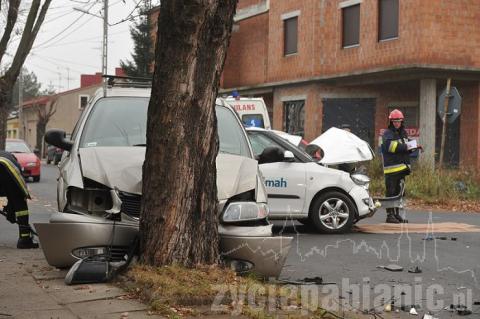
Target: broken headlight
(361, 180)
(89, 200)
(244, 211)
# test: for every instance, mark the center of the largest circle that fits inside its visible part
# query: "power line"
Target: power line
(65, 36)
(65, 61)
(64, 30)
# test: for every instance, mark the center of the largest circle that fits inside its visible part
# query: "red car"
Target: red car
(29, 162)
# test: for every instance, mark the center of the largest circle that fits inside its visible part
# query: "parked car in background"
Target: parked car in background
(101, 177)
(28, 160)
(54, 154)
(299, 187)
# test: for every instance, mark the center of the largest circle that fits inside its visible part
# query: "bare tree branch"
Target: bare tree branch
(11, 20)
(28, 37)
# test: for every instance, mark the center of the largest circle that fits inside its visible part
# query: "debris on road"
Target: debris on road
(391, 267)
(415, 270)
(413, 311)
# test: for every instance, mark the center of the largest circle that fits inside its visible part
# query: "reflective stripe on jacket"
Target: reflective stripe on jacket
(396, 156)
(14, 172)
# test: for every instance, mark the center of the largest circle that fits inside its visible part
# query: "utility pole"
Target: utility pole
(105, 46)
(21, 126)
(104, 42)
(444, 127)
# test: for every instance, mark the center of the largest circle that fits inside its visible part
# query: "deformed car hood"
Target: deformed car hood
(340, 146)
(114, 166)
(121, 167)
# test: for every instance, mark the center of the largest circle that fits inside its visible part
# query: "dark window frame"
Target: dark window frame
(290, 49)
(389, 31)
(346, 41)
(294, 117)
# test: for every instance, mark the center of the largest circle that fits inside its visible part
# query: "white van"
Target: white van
(253, 111)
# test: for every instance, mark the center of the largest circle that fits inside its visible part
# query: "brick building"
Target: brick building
(323, 63)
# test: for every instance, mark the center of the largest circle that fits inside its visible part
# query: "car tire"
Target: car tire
(333, 213)
(36, 179)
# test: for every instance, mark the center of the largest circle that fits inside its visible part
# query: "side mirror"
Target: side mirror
(271, 155)
(58, 138)
(36, 152)
(288, 157)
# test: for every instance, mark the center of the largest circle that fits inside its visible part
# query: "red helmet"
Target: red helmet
(396, 115)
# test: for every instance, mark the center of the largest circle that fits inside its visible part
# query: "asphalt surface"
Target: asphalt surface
(450, 269)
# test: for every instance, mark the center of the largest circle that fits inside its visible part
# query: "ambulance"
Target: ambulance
(252, 111)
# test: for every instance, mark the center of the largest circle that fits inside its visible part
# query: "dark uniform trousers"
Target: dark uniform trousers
(17, 207)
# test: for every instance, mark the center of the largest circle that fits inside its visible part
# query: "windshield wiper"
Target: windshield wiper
(139, 145)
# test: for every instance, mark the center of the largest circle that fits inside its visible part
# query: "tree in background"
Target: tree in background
(44, 114)
(179, 220)
(31, 88)
(29, 31)
(143, 53)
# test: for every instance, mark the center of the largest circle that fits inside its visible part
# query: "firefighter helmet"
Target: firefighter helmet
(396, 115)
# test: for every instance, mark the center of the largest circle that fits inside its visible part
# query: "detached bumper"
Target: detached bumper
(67, 232)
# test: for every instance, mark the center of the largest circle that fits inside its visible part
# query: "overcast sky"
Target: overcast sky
(69, 42)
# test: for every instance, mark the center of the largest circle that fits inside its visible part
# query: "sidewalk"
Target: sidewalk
(30, 288)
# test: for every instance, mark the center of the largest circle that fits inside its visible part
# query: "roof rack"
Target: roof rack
(127, 81)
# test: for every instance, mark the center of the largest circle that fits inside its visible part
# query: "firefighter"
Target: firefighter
(12, 185)
(396, 161)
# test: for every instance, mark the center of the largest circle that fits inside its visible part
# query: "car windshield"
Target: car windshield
(261, 140)
(17, 147)
(122, 121)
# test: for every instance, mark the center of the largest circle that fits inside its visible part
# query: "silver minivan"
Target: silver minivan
(101, 177)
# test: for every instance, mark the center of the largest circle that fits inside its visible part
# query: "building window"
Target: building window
(83, 101)
(294, 117)
(387, 19)
(290, 28)
(351, 25)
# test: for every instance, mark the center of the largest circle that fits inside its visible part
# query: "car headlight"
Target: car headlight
(361, 180)
(90, 200)
(31, 164)
(244, 211)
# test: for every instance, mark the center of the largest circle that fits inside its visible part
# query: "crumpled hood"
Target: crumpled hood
(122, 167)
(114, 166)
(340, 146)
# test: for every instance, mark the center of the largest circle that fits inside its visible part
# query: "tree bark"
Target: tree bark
(29, 33)
(179, 221)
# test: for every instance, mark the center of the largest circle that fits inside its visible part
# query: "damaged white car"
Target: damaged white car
(101, 175)
(308, 190)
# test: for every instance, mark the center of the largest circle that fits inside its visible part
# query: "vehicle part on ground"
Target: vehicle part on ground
(333, 212)
(415, 270)
(391, 267)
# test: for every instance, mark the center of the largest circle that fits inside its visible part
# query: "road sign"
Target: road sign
(454, 104)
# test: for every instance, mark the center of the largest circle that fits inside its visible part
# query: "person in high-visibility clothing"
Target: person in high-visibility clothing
(396, 160)
(12, 186)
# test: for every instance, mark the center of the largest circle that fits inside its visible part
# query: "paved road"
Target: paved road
(350, 261)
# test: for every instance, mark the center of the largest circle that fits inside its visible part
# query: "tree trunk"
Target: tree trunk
(6, 87)
(41, 127)
(179, 220)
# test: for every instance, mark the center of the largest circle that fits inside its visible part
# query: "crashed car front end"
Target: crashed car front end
(102, 216)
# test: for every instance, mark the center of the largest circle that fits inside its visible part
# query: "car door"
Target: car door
(284, 181)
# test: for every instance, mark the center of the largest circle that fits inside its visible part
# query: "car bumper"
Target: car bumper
(31, 171)
(365, 204)
(67, 232)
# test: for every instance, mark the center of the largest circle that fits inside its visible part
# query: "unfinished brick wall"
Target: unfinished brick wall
(435, 32)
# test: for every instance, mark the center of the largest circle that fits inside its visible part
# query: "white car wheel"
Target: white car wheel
(333, 212)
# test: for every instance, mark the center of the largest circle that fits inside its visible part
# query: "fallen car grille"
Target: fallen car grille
(118, 253)
(130, 204)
